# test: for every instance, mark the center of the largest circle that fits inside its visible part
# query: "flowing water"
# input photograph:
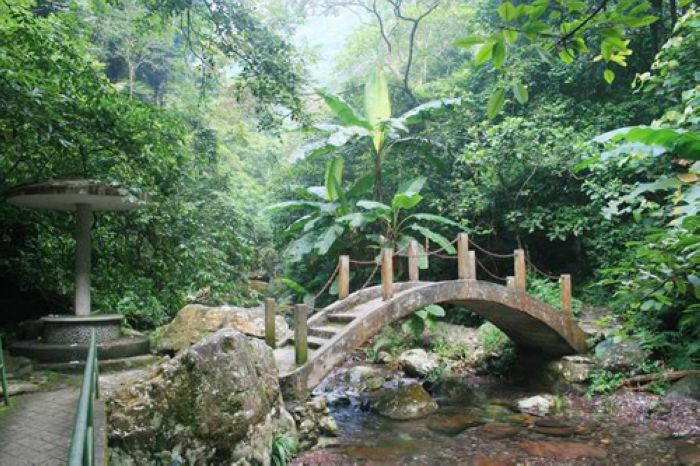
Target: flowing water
(478, 424)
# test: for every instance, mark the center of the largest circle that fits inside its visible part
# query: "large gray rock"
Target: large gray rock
(572, 369)
(218, 402)
(407, 402)
(195, 321)
(619, 355)
(417, 362)
(688, 386)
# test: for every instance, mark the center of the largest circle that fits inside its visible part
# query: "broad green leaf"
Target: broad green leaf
(361, 186)
(412, 186)
(357, 219)
(416, 114)
(327, 238)
(343, 111)
(609, 75)
(334, 178)
(520, 93)
(373, 205)
(435, 310)
(495, 103)
(377, 105)
(435, 218)
(435, 237)
(484, 54)
(510, 35)
(499, 54)
(291, 205)
(468, 42)
(405, 201)
(507, 11)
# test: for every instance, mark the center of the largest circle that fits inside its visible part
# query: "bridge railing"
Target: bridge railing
(3, 378)
(82, 446)
(467, 262)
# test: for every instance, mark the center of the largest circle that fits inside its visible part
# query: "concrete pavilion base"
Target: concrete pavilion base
(67, 339)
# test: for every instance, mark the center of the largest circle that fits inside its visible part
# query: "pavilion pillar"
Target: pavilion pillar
(83, 223)
(413, 274)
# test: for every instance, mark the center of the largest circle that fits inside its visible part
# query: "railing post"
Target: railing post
(413, 274)
(343, 277)
(463, 256)
(510, 281)
(565, 282)
(3, 377)
(301, 347)
(471, 265)
(270, 331)
(520, 270)
(387, 273)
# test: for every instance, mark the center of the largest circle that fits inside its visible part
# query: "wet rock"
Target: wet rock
(417, 362)
(17, 387)
(619, 355)
(497, 431)
(572, 369)
(216, 402)
(195, 321)
(539, 405)
(554, 428)
(365, 378)
(561, 450)
(407, 402)
(453, 423)
(314, 421)
(454, 391)
(688, 386)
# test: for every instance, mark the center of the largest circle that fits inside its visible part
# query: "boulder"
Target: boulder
(417, 362)
(313, 420)
(572, 369)
(407, 402)
(615, 354)
(195, 321)
(218, 402)
(466, 344)
(452, 422)
(539, 405)
(17, 367)
(365, 378)
(688, 386)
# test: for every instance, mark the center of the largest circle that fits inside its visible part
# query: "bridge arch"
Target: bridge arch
(345, 325)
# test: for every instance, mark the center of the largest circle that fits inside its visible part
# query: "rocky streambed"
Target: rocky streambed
(386, 417)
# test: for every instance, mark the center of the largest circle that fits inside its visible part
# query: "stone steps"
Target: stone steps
(343, 318)
(326, 331)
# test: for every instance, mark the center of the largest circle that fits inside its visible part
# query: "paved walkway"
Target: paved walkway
(37, 430)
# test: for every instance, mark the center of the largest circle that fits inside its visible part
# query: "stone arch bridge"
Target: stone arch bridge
(324, 340)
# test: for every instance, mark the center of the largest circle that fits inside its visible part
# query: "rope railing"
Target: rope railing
(490, 253)
(489, 273)
(539, 271)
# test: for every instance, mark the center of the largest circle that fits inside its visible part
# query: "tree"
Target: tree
(376, 129)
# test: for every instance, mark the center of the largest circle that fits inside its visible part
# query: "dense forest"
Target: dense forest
(566, 128)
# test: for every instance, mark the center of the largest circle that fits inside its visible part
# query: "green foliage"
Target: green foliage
(284, 448)
(550, 292)
(389, 340)
(422, 320)
(604, 382)
(491, 338)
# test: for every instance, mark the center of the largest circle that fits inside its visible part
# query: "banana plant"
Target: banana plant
(375, 129)
(318, 220)
(398, 225)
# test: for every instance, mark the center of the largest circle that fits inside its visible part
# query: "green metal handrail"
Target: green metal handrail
(82, 445)
(3, 377)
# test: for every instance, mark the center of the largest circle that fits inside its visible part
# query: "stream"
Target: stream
(478, 423)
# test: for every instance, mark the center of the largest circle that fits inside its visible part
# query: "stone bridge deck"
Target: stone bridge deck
(343, 326)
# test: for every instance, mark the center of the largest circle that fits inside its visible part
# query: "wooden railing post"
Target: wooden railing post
(413, 274)
(520, 270)
(301, 346)
(565, 281)
(510, 281)
(387, 273)
(471, 265)
(270, 333)
(463, 256)
(343, 277)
